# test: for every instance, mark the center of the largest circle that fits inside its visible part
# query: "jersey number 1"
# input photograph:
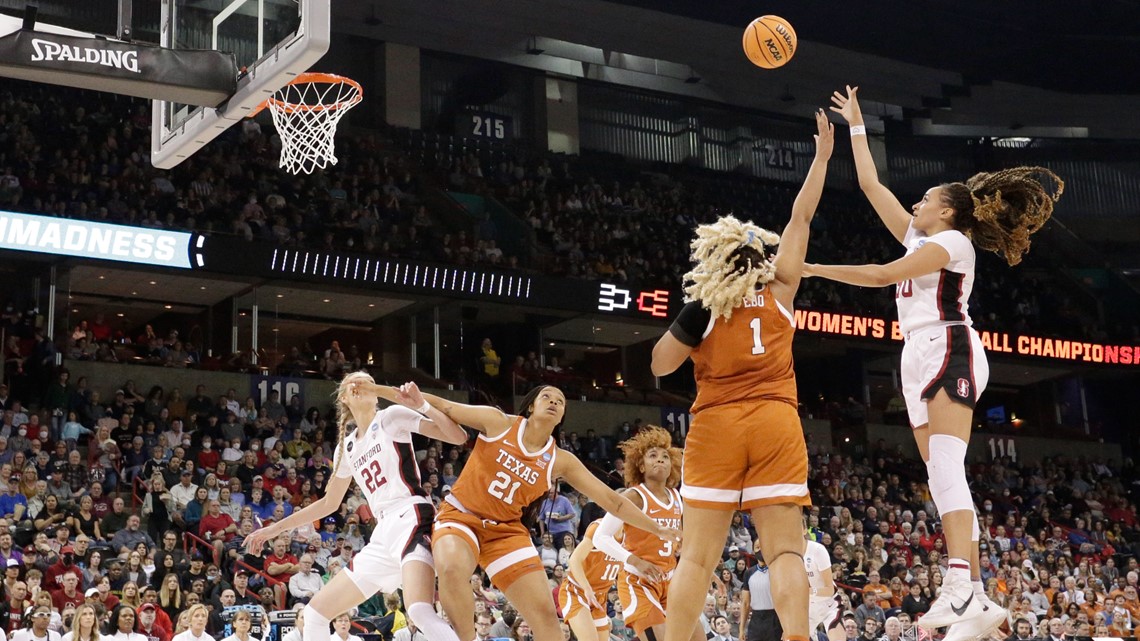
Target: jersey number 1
(499, 484)
(757, 342)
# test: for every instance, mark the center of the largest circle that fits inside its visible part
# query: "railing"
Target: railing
(137, 498)
(268, 581)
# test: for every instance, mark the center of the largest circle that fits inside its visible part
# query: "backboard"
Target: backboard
(273, 41)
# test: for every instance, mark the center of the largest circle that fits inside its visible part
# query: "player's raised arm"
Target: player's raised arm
(483, 418)
(794, 241)
(571, 469)
(890, 210)
(436, 424)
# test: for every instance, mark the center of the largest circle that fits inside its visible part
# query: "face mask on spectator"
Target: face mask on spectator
(43, 434)
(23, 432)
(186, 442)
(255, 447)
(206, 445)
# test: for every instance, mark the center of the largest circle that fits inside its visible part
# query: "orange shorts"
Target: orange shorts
(744, 455)
(572, 600)
(643, 602)
(504, 550)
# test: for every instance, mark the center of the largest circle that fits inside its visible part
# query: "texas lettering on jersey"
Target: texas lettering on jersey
(518, 468)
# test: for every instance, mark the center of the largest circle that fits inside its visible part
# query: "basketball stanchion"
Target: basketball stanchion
(306, 113)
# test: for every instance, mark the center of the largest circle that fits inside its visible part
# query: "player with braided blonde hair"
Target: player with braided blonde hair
(374, 448)
(944, 368)
(732, 258)
(745, 449)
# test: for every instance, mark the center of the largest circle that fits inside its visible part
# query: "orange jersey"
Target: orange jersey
(501, 478)
(601, 570)
(647, 546)
(748, 356)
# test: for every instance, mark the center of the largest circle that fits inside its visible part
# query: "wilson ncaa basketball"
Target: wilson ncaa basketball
(770, 42)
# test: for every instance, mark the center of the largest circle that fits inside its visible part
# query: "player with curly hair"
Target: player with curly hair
(944, 368)
(745, 449)
(652, 474)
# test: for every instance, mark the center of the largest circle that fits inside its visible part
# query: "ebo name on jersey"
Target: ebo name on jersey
(516, 467)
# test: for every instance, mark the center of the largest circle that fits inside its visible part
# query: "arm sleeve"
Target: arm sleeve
(956, 244)
(604, 538)
(691, 324)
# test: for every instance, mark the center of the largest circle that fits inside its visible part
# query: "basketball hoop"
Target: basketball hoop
(306, 112)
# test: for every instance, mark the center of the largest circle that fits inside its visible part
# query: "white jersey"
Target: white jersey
(940, 298)
(27, 634)
(816, 562)
(383, 461)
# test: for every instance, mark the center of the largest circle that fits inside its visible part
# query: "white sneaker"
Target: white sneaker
(956, 604)
(991, 618)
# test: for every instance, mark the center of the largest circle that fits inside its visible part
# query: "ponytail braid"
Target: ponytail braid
(999, 211)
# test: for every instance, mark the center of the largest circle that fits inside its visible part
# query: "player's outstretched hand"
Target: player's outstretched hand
(848, 105)
(647, 569)
(255, 542)
(409, 396)
(670, 534)
(825, 138)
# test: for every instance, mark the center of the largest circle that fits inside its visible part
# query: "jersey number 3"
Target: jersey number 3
(373, 477)
(757, 341)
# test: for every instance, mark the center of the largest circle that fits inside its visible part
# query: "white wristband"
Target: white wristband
(858, 130)
(423, 409)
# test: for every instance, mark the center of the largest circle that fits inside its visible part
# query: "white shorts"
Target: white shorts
(823, 610)
(942, 357)
(402, 534)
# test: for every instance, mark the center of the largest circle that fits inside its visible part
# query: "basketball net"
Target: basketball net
(306, 112)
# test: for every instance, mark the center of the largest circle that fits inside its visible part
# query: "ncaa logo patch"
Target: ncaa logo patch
(348, 446)
(963, 388)
(546, 456)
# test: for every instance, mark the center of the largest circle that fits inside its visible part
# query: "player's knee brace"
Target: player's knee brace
(947, 469)
(316, 626)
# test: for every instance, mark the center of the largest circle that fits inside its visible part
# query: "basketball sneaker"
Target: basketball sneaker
(991, 618)
(956, 604)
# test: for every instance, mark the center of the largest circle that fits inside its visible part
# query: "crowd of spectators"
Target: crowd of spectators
(143, 499)
(86, 155)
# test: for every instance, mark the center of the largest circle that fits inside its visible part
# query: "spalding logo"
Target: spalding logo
(48, 51)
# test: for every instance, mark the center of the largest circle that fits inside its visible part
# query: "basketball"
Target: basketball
(769, 42)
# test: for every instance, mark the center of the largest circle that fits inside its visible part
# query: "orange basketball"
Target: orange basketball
(770, 42)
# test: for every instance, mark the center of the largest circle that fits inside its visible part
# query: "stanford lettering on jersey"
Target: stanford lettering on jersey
(359, 462)
(516, 467)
